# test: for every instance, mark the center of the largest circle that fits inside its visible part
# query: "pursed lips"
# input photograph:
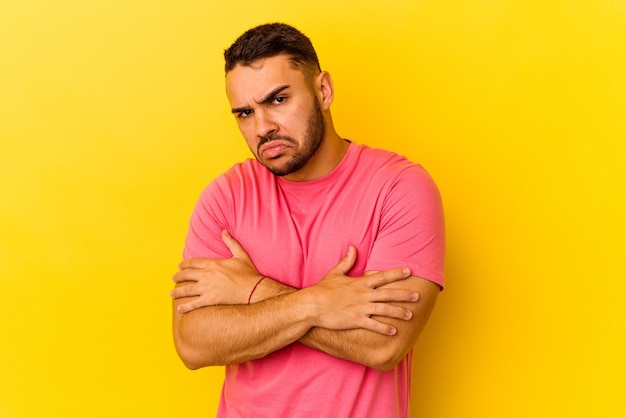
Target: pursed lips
(274, 148)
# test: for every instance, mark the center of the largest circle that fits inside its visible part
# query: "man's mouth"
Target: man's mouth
(273, 149)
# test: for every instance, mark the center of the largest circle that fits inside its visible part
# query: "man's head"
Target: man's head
(281, 100)
(269, 40)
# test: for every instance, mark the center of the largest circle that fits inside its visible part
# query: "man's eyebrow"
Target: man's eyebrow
(266, 99)
(236, 110)
(272, 94)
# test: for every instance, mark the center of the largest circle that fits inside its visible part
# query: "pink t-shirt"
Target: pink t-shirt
(295, 232)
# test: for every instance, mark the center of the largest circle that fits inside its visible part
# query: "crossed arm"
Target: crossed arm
(373, 320)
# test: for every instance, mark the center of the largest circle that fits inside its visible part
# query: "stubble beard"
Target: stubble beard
(313, 138)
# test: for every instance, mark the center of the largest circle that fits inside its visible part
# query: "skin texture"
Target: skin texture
(373, 320)
(273, 99)
(284, 116)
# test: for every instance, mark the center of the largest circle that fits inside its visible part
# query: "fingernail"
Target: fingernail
(392, 331)
(415, 296)
(408, 314)
(406, 272)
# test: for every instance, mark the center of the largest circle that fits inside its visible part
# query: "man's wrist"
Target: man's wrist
(254, 288)
(268, 288)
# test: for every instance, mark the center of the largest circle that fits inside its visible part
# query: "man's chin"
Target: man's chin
(282, 166)
(279, 171)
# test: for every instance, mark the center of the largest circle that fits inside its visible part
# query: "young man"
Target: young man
(310, 270)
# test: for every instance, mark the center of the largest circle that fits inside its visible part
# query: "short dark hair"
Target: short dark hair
(269, 40)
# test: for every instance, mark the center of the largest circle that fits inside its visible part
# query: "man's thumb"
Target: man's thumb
(346, 263)
(233, 245)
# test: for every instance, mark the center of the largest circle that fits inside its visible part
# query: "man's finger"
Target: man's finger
(183, 292)
(190, 306)
(379, 327)
(390, 311)
(185, 275)
(388, 276)
(395, 295)
(193, 263)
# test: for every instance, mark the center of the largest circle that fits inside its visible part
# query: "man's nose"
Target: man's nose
(264, 124)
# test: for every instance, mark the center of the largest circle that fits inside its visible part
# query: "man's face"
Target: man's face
(277, 112)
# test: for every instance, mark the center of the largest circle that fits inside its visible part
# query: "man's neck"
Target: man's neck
(328, 156)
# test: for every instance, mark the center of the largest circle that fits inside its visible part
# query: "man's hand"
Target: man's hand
(211, 282)
(342, 302)
(339, 302)
(333, 316)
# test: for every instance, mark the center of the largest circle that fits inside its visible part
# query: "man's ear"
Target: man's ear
(325, 89)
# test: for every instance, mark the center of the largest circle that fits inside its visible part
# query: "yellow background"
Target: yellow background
(113, 117)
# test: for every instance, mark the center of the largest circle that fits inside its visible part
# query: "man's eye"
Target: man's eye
(280, 99)
(244, 114)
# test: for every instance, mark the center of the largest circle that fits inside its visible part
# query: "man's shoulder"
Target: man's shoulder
(244, 172)
(246, 176)
(385, 163)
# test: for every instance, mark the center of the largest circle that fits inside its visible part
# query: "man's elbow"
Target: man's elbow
(388, 354)
(188, 356)
(386, 360)
(191, 365)
(191, 362)
(192, 356)
(386, 367)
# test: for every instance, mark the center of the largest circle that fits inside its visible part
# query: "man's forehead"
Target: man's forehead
(262, 75)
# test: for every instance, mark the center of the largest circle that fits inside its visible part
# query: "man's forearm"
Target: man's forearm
(380, 352)
(227, 324)
(220, 335)
(371, 349)
(359, 346)
(229, 334)
(354, 345)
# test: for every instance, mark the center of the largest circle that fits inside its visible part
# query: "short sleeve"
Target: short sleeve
(208, 220)
(411, 232)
